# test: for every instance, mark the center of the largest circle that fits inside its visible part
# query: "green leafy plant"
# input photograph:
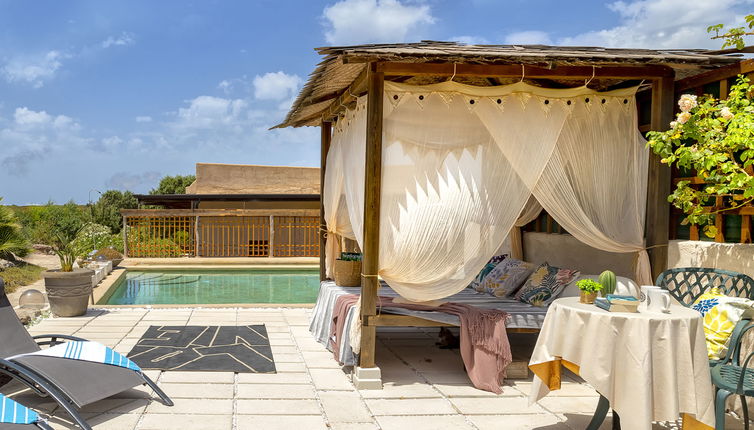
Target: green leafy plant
(733, 37)
(714, 138)
(12, 241)
(589, 286)
(173, 184)
(107, 209)
(350, 256)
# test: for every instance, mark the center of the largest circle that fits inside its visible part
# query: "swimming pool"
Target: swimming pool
(217, 286)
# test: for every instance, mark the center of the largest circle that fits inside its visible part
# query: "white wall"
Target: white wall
(563, 250)
(728, 256)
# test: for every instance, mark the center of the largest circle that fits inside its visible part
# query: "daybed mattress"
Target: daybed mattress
(522, 315)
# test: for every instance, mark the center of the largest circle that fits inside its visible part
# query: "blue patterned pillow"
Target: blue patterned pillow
(545, 285)
(494, 261)
(506, 277)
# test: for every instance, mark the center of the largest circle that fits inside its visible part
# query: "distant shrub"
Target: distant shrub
(109, 254)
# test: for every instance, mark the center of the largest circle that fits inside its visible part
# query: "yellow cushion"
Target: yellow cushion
(721, 314)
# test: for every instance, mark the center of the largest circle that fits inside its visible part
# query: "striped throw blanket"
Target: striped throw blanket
(86, 351)
(12, 412)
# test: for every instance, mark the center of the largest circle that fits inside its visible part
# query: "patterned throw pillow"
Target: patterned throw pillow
(506, 277)
(545, 285)
(721, 314)
(494, 261)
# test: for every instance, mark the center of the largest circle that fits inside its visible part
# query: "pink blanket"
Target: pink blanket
(485, 350)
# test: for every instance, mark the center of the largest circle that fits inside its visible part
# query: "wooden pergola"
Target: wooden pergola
(350, 72)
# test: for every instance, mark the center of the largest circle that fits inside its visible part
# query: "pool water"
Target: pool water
(141, 287)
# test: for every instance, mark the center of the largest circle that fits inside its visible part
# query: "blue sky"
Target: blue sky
(103, 95)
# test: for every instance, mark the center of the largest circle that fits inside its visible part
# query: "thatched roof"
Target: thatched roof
(342, 65)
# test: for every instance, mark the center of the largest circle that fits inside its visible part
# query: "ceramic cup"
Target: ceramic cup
(659, 301)
(644, 297)
(653, 299)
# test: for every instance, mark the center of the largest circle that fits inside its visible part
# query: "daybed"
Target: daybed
(523, 317)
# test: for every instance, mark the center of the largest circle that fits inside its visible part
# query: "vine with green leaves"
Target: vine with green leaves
(714, 138)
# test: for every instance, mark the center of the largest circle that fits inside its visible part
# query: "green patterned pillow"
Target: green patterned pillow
(545, 285)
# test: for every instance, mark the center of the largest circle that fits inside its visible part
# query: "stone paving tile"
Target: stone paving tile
(279, 422)
(186, 422)
(344, 407)
(194, 407)
(519, 422)
(330, 379)
(310, 390)
(274, 378)
(277, 407)
(275, 391)
(410, 407)
(194, 391)
(430, 422)
(498, 405)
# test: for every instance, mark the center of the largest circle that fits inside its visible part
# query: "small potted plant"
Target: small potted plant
(68, 288)
(588, 290)
(347, 271)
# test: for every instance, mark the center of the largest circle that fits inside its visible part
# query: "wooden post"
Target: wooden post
(517, 243)
(125, 237)
(372, 194)
(196, 236)
(271, 252)
(326, 133)
(658, 180)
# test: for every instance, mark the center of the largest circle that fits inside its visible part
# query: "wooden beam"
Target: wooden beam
(658, 181)
(725, 72)
(325, 138)
(532, 72)
(142, 213)
(390, 320)
(372, 194)
(347, 96)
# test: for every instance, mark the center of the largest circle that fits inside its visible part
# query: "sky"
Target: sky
(98, 95)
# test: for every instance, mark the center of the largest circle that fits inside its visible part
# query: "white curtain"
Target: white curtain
(460, 164)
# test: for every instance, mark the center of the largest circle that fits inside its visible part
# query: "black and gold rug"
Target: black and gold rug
(242, 349)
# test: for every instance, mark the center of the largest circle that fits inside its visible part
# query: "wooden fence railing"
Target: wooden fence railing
(221, 236)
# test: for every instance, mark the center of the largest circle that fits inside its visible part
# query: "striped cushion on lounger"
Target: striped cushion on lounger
(12, 412)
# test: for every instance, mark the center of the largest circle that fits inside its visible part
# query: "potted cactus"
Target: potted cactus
(608, 281)
(588, 290)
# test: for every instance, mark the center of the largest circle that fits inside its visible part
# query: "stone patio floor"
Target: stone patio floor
(424, 387)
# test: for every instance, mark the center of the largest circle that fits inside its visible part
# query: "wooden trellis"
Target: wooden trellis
(221, 234)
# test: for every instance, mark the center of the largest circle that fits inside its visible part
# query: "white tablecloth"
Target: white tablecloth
(650, 366)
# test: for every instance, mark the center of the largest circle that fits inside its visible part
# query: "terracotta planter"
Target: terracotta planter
(347, 273)
(587, 298)
(68, 292)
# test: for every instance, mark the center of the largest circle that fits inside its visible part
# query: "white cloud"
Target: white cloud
(276, 86)
(209, 112)
(532, 37)
(124, 39)
(34, 70)
(373, 21)
(27, 117)
(143, 118)
(664, 24)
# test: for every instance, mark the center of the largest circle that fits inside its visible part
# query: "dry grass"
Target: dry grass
(23, 274)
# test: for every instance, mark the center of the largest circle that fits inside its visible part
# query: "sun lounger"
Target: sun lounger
(14, 416)
(70, 382)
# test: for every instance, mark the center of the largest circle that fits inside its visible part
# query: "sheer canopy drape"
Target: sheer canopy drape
(460, 164)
